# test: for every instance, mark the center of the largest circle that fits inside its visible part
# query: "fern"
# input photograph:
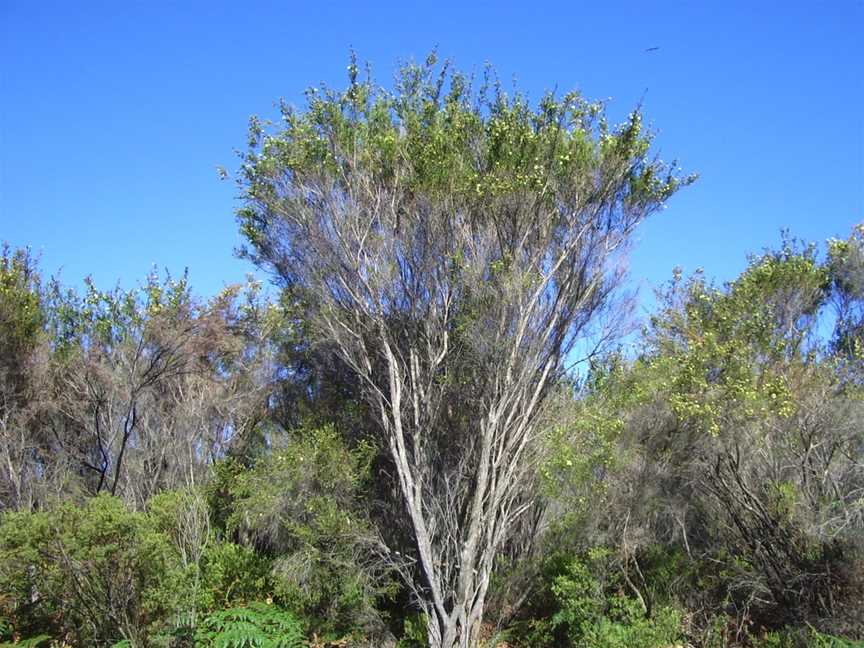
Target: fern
(257, 625)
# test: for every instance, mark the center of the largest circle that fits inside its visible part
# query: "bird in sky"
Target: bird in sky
(652, 49)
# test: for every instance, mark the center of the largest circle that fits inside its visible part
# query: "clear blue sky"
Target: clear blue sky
(115, 115)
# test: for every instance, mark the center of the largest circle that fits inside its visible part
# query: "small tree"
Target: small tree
(455, 245)
(157, 383)
(22, 373)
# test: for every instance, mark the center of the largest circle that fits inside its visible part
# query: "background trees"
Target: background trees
(704, 488)
(124, 392)
(22, 377)
(738, 441)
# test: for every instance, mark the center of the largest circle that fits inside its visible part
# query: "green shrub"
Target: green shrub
(32, 642)
(300, 506)
(806, 637)
(234, 574)
(90, 575)
(414, 633)
(588, 605)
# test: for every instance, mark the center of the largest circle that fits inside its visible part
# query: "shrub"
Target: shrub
(90, 575)
(588, 605)
(300, 505)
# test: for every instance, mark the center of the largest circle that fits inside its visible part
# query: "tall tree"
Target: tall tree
(455, 244)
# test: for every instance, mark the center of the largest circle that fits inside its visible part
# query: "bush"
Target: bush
(588, 605)
(803, 638)
(300, 505)
(90, 575)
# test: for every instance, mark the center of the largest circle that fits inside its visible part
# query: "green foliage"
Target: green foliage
(301, 493)
(589, 605)
(414, 633)
(720, 354)
(107, 318)
(300, 504)
(211, 573)
(100, 572)
(584, 442)
(712, 442)
(591, 615)
(257, 625)
(234, 573)
(31, 642)
(94, 573)
(21, 308)
(846, 263)
(219, 492)
(803, 638)
(441, 136)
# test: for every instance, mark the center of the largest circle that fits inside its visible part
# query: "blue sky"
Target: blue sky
(114, 116)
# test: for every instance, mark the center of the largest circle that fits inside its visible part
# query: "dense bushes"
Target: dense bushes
(705, 492)
(98, 573)
(586, 600)
(301, 506)
(733, 440)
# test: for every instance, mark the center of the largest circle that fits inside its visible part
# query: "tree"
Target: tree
(156, 383)
(846, 263)
(22, 378)
(737, 437)
(455, 245)
(129, 392)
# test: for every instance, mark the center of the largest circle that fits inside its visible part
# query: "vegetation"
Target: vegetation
(434, 434)
(257, 626)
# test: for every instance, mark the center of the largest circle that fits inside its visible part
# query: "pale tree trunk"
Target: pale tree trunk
(461, 512)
